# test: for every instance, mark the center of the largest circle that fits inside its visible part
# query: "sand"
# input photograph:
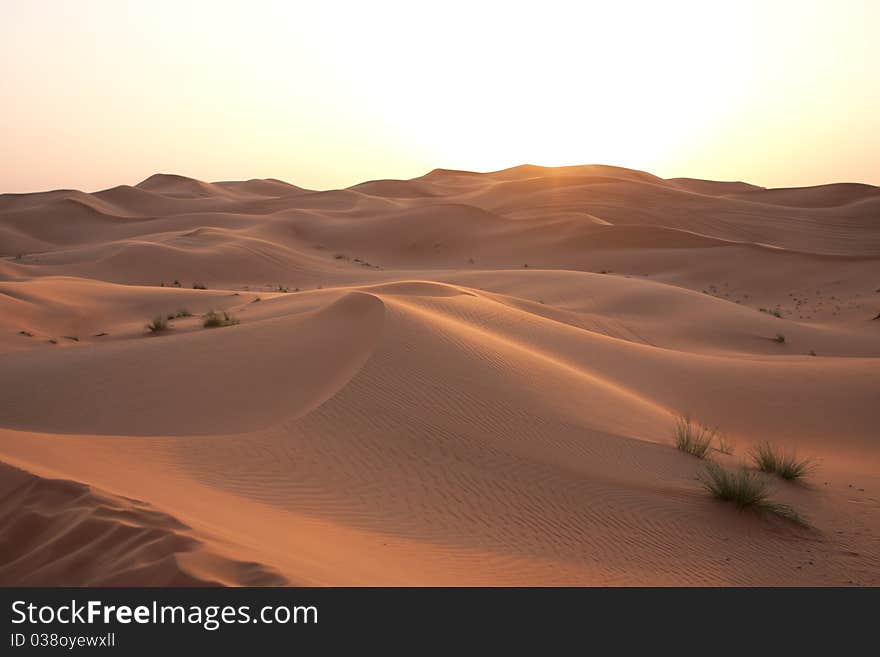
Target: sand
(463, 378)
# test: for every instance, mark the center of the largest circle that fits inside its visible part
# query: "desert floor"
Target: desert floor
(457, 379)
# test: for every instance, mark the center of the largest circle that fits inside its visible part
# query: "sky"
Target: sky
(97, 93)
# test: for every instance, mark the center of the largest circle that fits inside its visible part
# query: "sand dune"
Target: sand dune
(821, 196)
(462, 378)
(64, 531)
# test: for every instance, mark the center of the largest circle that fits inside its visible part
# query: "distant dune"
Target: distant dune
(821, 196)
(463, 378)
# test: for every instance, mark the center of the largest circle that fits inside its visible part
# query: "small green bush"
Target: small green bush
(692, 437)
(158, 324)
(214, 319)
(768, 459)
(746, 489)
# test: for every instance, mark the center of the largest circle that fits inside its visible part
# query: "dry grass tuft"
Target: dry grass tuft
(692, 437)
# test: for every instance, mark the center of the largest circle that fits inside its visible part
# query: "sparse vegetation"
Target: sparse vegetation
(283, 288)
(255, 300)
(746, 489)
(53, 341)
(158, 324)
(786, 465)
(725, 446)
(780, 338)
(199, 286)
(214, 319)
(775, 312)
(692, 437)
(176, 283)
(812, 353)
(27, 333)
(72, 338)
(526, 265)
(182, 312)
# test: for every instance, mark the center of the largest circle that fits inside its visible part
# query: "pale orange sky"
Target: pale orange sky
(327, 94)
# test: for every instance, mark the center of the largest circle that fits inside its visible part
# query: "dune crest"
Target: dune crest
(64, 533)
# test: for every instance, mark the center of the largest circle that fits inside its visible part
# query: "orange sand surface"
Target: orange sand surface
(464, 378)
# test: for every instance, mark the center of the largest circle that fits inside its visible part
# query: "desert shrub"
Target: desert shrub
(746, 489)
(199, 286)
(780, 338)
(692, 437)
(214, 319)
(183, 312)
(786, 464)
(725, 446)
(158, 324)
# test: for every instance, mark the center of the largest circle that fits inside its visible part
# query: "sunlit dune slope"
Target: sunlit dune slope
(463, 378)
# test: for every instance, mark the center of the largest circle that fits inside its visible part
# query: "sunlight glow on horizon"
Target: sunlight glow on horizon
(99, 93)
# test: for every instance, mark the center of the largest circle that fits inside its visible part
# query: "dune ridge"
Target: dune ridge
(463, 378)
(63, 531)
